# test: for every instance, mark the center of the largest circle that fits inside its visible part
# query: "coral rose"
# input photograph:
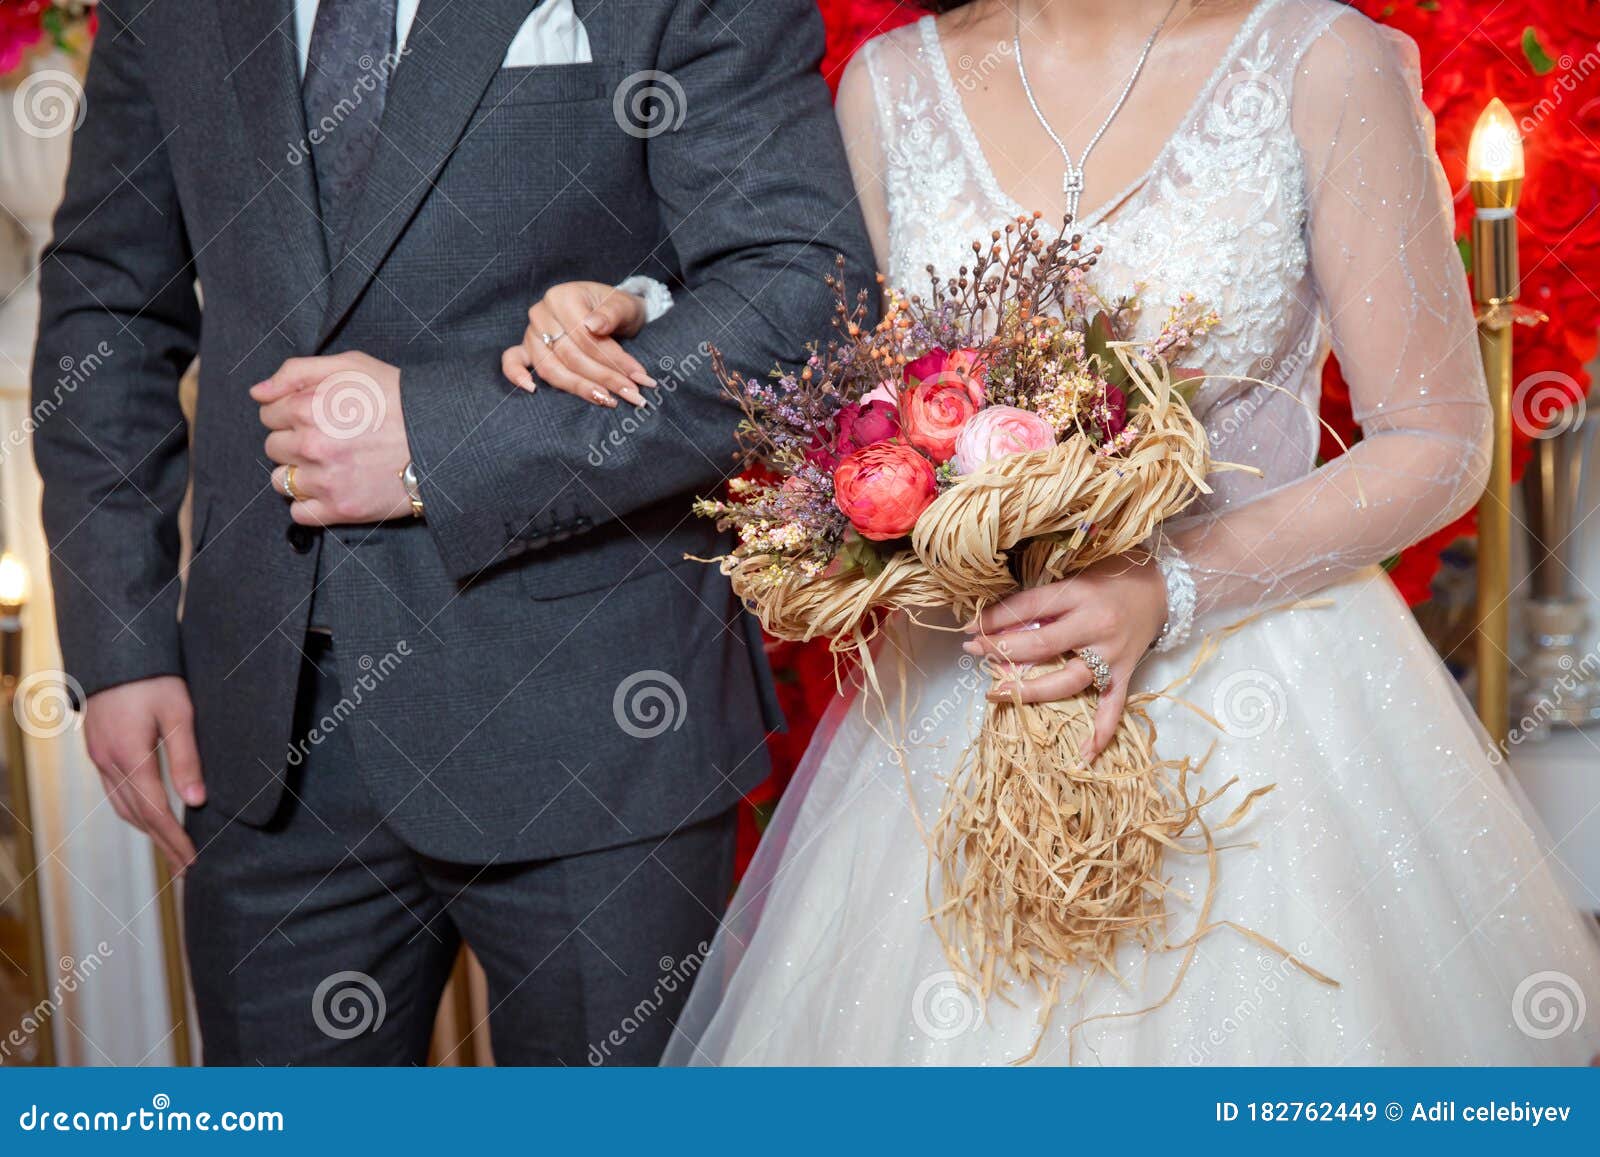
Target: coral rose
(883, 489)
(964, 366)
(999, 432)
(932, 413)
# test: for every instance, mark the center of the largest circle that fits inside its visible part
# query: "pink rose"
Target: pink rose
(887, 392)
(965, 367)
(999, 432)
(932, 413)
(883, 489)
(861, 424)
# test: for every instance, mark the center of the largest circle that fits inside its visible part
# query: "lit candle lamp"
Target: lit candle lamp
(13, 597)
(1495, 170)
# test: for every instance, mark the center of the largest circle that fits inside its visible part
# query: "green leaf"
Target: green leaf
(1464, 247)
(1425, 5)
(1535, 52)
(859, 554)
(1097, 344)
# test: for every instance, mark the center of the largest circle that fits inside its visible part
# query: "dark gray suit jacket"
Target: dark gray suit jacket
(502, 660)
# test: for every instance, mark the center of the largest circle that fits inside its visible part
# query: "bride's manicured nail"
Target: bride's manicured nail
(644, 379)
(972, 648)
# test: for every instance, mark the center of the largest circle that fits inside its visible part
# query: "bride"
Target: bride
(1274, 159)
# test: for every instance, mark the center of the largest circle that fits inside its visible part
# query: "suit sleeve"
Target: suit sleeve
(756, 201)
(119, 325)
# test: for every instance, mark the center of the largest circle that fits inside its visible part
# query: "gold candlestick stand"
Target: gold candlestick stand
(1495, 168)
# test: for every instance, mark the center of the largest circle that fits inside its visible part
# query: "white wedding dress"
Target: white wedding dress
(1302, 199)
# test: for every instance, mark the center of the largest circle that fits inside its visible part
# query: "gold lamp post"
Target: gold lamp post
(1495, 169)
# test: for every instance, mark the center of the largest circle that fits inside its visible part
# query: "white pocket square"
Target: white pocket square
(552, 34)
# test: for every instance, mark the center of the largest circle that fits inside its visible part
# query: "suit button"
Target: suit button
(302, 538)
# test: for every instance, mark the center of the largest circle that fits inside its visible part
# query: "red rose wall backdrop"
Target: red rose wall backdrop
(1542, 57)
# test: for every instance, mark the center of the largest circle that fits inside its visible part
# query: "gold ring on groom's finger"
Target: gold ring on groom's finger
(288, 483)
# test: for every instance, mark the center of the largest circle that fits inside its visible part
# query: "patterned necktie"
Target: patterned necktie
(347, 78)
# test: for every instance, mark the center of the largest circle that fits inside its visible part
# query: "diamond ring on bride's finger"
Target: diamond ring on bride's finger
(550, 339)
(1098, 668)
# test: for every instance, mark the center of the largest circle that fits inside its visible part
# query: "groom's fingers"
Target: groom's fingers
(294, 375)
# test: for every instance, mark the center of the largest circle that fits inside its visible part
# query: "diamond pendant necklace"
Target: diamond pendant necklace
(1072, 182)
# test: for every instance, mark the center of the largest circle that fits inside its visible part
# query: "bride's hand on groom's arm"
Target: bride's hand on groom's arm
(1116, 607)
(572, 344)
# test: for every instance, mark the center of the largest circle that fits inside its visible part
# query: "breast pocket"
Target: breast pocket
(546, 84)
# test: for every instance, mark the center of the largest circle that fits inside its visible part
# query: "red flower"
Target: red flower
(932, 413)
(863, 424)
(883, 489)
(1112, 412)
(822, 452)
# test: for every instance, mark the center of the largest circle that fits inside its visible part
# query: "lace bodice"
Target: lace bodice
(1301, 198)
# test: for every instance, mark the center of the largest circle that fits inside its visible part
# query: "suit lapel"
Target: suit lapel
(452, 53)
(263, 64)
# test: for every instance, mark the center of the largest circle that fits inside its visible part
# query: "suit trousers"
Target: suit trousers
(321, 938)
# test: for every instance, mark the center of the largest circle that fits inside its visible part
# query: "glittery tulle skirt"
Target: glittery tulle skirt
(1394, 856)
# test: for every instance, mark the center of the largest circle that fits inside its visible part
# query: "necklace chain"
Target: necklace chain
(1072, 181)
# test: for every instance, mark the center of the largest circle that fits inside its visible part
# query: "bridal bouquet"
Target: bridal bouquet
(997, 433)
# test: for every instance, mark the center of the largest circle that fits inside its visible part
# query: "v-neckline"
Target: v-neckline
(950, 96)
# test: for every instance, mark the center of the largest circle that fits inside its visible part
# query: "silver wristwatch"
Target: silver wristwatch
(413, 485)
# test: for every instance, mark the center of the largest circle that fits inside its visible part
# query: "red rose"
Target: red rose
(821, 452)
(932, 414)
(883, 489)
(863, 424)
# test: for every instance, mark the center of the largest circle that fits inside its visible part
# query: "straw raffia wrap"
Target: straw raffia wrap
(1045, 864)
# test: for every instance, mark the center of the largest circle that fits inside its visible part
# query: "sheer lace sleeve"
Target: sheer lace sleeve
(1393, 292)
(858, 111)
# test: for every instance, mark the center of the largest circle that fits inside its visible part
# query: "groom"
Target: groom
(464, 685)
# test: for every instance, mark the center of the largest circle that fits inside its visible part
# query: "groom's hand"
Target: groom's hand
(125, 728)
(336, 422)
